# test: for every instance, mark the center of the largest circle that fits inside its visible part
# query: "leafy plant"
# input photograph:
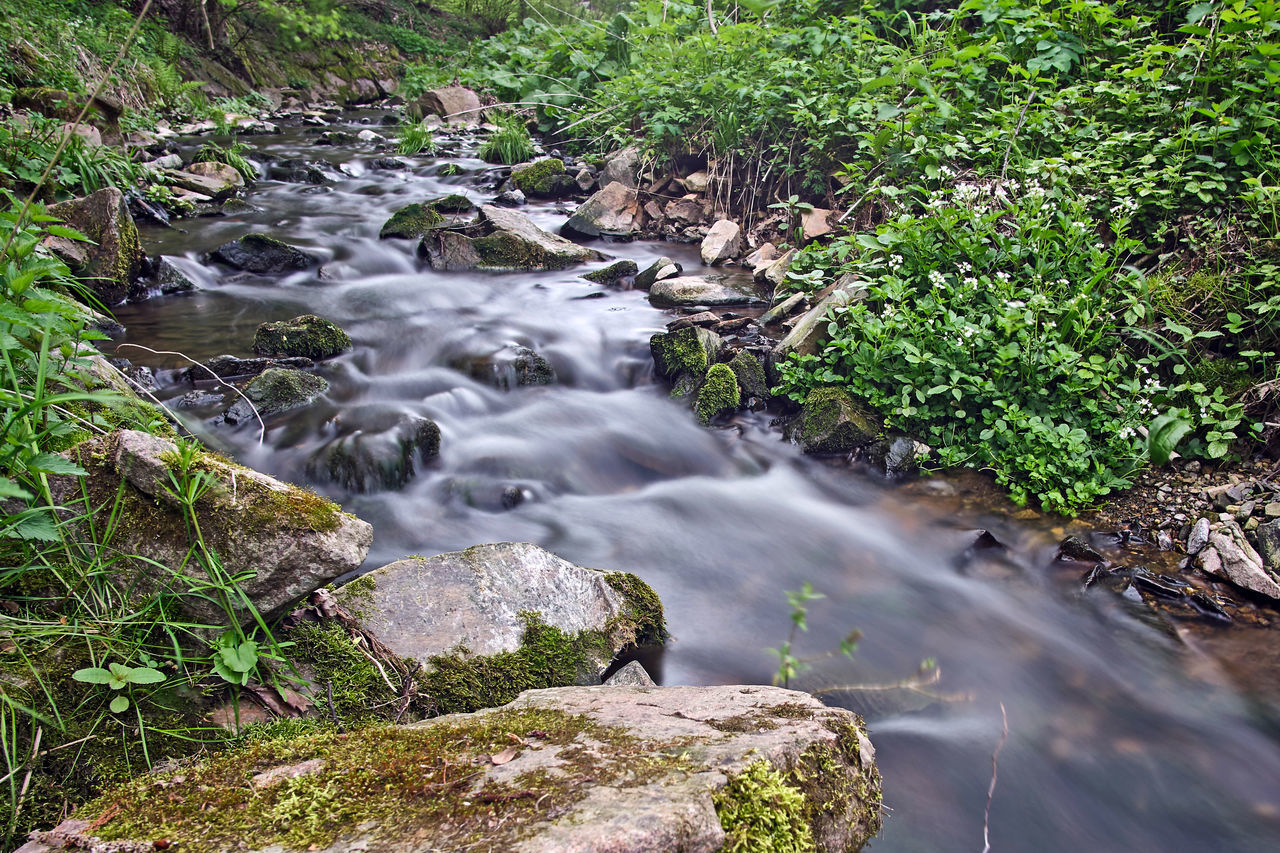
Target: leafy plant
(116, 677)
(231, 155)
(789, 665)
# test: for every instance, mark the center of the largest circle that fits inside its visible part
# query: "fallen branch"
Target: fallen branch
(991, 789)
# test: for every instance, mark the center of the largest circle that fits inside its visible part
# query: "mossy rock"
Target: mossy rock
(264, 255)
(510, 367)
(369, 458)
(687, 352)
(543, 179)
(616, 273)
(750, 374)
(277, 390)
(719, 394)
(307, 335)
(454, 203)
(830, 422)
(411, 222)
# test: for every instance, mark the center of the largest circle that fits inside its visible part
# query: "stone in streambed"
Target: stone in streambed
(619, 273)
(719, 394)
(510, 367)
(1230, 555)
(631, 675)
(377, 452)
(750, 374)
(276, 390)
(231, 367)
(710, 290)
(687, 352)
(411, 222)
(656, 271)
(723, 242)
(612, 212)
(830, 422)
(503, 240)
(544, 178)
(307, 335)
(258, 253)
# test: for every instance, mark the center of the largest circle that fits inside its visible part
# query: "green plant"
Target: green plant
(117, 677)
(789, 665)
(416, 139)
(510, 144)
(231, 155)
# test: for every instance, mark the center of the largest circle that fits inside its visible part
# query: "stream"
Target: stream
(1125, 732)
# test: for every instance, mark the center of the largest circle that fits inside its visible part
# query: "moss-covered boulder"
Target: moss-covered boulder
(276, 390)
(283, 541)
(453, 203)
(378, 450)
(503, 240)
(719, 394)
(493, 620)
(258, 253)
(830, 422)
(622, 769)
(749, 371)
(411, 222)
(110, 263)
(619, 273)
(307, 335)
(685, 352)
(543, 179)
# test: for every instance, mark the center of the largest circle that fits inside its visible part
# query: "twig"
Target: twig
(991, 789)
(1004, 167)
(333, 712)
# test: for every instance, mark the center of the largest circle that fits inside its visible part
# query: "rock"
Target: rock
(307, 335)
(215, 188)
(710, 290)
(299, 171)
(631, 675)
(750, 375)
(230, 180)
(480, 600)
(622, 167)
(411, 222)
(1077, 550)
(230, 367)
(544, 178)
(367, 135)
(782, 309)
(1231, 556)
(761, 258)
(654, 272)
(160, 164)
(630, 770)
(389, 164)
(585, 180)
(1272, 509)
(454, 203)
(816, 223)
(258, 253)
(503, 240)
(170, 279)
(685, 211)
(379, 451)
(1199, 537)
(619, 273)
(687, 352)
(723, 242)
(895, 458)
(698, 182)
(776, 273)
(831, 423)
(511, 198)
(812, 328)
(719, 394)
(1268, 534)
(284, 542)
(113, 261)
(453, 103)
(511, 367)
(276, 390)
(612, 212)
(90, 136)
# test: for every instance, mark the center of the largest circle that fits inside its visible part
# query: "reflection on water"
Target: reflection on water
(1122, 736)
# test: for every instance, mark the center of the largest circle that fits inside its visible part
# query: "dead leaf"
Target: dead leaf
(515, 738)
(504, 756)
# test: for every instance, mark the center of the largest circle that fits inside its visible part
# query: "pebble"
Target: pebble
(1272, 509)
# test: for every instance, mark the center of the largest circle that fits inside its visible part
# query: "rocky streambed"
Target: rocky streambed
(552, 420)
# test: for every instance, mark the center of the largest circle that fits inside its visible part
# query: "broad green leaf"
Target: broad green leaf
(92, 675)
(120, 704)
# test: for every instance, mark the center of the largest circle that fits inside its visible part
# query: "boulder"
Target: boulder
(629, 769)
(685, 211)
(230, 179)
(750, 375)
(622, 167)
(452, 103)
(1268, 534)
(896, 457)
(709, 290)
(276, 390)
(411, 222)
(284, 541)
(1229, 555)
(816, 223)
(258, 253)
(722, 243)
(618, 273)
(378, 450)
(656, 271)
(482, 602)
(761, 258)
(719, 394)
(698, 182)
(510, 198)
(215, 187)
(110, 266)
(171, 279)
(544, 178)
(782, 310)
(686, 352)
(611, 212)
(503, 240)
(307, 335)
(510, 367)
(230, 367)
(297, 171)
(830, 422)
(775, 273)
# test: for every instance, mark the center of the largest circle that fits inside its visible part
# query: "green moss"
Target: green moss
(307, 335)
(540, 179)
(643, 619)
(842, 792)
(750, 374)
(831, 423)
(411, 222)
(453, 203)
(613, 273)
(361, 691)
(761, 813)
(547, 657)
(685, 352)
(278, 390)
(719, 394)
(505, 251)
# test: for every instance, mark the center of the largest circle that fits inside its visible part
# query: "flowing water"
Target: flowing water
(1124, 735)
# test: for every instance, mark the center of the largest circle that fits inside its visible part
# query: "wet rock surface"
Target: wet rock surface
(258, 253)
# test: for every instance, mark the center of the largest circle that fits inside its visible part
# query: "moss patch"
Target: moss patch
(719, 394)
(453, 203)
(762, 813)
(643, 618)
(279, 390)
(411, 222)
(750, 374)
(307, 335)
(505, 251)
(540, 179)
(831, 423)
(686, 351)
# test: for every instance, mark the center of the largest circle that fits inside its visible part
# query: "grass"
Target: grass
(510, 144)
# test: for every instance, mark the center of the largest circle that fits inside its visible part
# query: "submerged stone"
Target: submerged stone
(380, 454)
(510, 367)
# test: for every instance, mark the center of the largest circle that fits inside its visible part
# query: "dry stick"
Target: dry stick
(991, 789)
(66, 137)
(26, 781)
(262, 427)
(1021, 118)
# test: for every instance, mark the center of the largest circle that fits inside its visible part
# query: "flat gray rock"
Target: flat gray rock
(710, 290)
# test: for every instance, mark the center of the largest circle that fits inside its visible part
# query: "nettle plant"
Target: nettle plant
(994, 328)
